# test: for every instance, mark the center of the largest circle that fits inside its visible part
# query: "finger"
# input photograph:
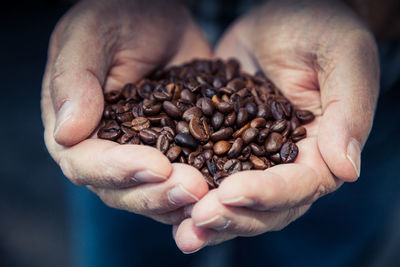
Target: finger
(191, 239)
(209, 212)
(282, 186)
(185, 185)
(102, 163)
(349, 91)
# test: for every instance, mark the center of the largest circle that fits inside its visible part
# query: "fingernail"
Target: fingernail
(194, 251)
(217, 222)
(63, 114)
(148, 176)
(238, 201)
(180, 196)
(354, 155)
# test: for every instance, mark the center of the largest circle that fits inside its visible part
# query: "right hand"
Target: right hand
(103, 45)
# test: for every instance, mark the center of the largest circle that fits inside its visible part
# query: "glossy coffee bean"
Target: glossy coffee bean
(289, 152)
(224, 133)
(186, 140)
(199, 129)
(221, 147)
(274, 142)
(173, 153)
(140, 123)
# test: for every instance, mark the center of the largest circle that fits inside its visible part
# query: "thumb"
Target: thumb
(76, 78)
(349, 91)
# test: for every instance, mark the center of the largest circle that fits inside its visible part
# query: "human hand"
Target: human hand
(105, 44)
(324, 60)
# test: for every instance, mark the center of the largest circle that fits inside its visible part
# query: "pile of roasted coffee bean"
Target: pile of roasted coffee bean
(208, 114)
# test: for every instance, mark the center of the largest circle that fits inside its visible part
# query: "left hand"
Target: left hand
(324, 60)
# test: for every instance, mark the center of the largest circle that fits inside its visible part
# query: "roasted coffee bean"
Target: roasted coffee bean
(274, 142)
(217, 120)
(258, 163)
(188, 96)
(110, 131)
(145, 90)
(277, 111)
(226, 90)
(246, 151)
(212, 167)
(247, 165)
(224, 133)
(276, 157)
(219, 177)
(172, 110)
(251, 108)
(232, 166)
(236, 148)
(221, 147)
(236, 84)
(140, 123)
(156, 119)
(206, 105)
(230, 119)
(182, 127)
(182, 159)
(289, 152)
(208, 145)
(278, 126)
(128, 91)
(209, 179)
(294, 123)
(242, 117)
(258, 123)
(168, 132)
(257, 150)
(123, 114)
(186, 140)
(249, 135)
(148, 136)
(262, 136)
(151, 108)
(225, 107)
(192, 112)
(304, 116)
(108, 113)
(173, 153)
(263, 111)
(241, 131)
(208, 154)
(162, 143)
(299, 133)
(186, 151)
(112, 96)
(162, 96)
(199, 129)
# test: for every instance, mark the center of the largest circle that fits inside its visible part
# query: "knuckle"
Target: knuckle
(70, 173)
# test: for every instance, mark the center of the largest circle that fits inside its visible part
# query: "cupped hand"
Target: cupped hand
(323, 59)
(99, 46)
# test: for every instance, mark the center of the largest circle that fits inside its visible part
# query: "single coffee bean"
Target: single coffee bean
(162, 143)
(108, 113)
(251, 109)
(258, 123)
(242, 117)
(263, 111)
(148, 136)
(199, 129)
(167, 121)
(225, 107)
(236, 84)
(188, 96)
(186, 140)
(247, 165)
(217, 120)
(221, 147)
(156, 119)
(206, 105)
(209, 179)
(212, 167)
(294, 123)
(112, 96)
(123, 114)
(246, 151)
(257, 150)
(125, 138)
(172, 110)
(182, 127)
(208, 145)
(304, 116)
(151, 108)
(276, 157)
(110, 131)
(192, 112)
(140, 123)
(232, 166)
(208, 154)
(219, 177)
(226, 90)
(145, 90)
(236, 148)
(289, 152)
(299, 133)
(173, 153)
(274, 142)
(230, 119)
(128, 91)
(262, 135)
(278, 126)
(224, 133)
(249, 135)
(241, 130)
(258, 163)
(186, 151)
(162, 95)
(277, 110)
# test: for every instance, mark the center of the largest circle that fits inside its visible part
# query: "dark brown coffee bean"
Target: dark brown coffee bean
(173, 153)
(242, 117)
(208, 145)
(299, 133)
(186, 140)
(182, 127)
(236, 148)
(226, 90)
(129, 91)
(258, 163)
(209, 179)
(162, 95)
(276, 157)
(208, 154)
(196, 160)
(217, 120)
(246, 151)
(305, 116)
(199, 129)
(156, 119)
(110, 131)
(251, 108)
(108, 113)
(169, 133)
(230, 119)
(274, 142)
(192, 112)
(225, 107)
(224, 133)
(257, 150)
(182, 159)
(123, 114)
(140, 123)
(289, 152)
(236, 84)
(206, 105)
(277, 110)
(258, 123)
(162, 143)
(232, 166)
(186, 151)
(263, 111)
(112, 96)
(125, 138)
(212, 167)
(148, 136)
(241, 131)
(188, 96)
(249, 135)
(150, 107)
(247, 165)
(221, 147)
(278, 126)
(262, 136)
(145, 90)
(172, 110)
(294, 123)
(167, 121)
(219, 177)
